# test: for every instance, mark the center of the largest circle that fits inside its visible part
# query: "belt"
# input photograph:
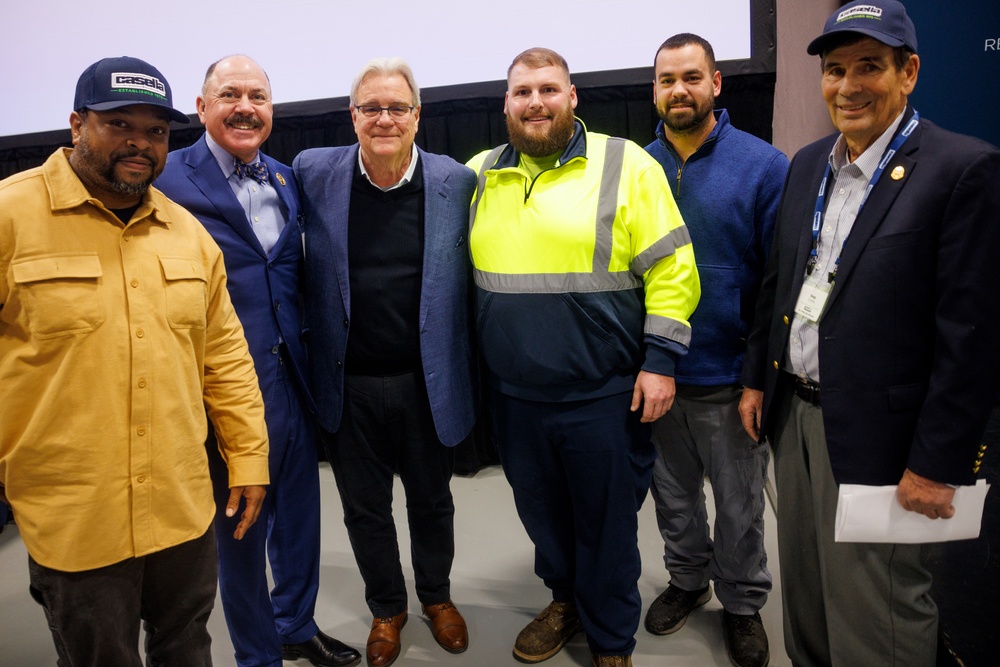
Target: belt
(807, 390)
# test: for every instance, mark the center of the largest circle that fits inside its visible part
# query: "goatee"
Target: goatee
(98, 166)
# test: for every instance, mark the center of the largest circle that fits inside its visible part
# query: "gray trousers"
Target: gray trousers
(702, 434)
(844, 604)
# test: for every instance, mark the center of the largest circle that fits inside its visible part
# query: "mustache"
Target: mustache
(243, 119)
(127, 155)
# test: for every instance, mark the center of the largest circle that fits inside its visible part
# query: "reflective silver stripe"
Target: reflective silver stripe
(556, 283)
(668, 328)
(607, 202)
(491, 159)
(665, 247)
(600, 279)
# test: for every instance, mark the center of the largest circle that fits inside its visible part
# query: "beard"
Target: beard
(102, 171)
(533, 144)
(688, 121)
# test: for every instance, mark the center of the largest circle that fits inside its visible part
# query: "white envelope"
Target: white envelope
(872, 514)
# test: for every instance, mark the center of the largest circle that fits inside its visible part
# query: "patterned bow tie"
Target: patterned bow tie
(257, 171)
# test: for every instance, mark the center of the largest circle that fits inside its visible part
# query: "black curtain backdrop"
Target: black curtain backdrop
(459, 128)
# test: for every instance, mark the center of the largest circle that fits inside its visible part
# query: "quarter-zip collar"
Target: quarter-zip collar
(721, 127)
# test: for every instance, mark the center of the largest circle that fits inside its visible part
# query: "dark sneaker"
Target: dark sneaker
(547, 633)
(669, 611)
(746, 640)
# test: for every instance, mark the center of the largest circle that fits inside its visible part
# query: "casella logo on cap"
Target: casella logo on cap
(138, 82)
(860, 12)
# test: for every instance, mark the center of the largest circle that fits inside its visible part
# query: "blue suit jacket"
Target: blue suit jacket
(909, 345)
(325, 176)
(264, 289)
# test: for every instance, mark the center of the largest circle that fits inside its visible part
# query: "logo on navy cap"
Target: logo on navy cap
(133, 82)
(860, 12)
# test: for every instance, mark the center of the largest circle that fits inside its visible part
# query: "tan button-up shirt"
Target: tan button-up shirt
(114, 339)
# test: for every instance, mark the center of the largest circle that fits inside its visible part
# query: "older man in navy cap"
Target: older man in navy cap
(874, 356)
(116, 334)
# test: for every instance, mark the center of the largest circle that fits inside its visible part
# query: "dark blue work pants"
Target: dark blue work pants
(579, 471)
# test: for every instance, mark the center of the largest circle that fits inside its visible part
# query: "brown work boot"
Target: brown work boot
(383, 640)
(611, 660)
(448, 626)
(547, 633)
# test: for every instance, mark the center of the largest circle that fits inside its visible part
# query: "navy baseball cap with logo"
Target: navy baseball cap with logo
(883, 20)
(117, 82)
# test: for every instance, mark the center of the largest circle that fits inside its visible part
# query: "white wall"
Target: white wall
(312, 48)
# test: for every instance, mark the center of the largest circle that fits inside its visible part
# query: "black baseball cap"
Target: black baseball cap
(883, 20)
(117, 82)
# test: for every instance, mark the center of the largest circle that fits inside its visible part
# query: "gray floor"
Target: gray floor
(492, 584)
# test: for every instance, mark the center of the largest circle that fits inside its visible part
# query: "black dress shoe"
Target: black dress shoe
(322, 650)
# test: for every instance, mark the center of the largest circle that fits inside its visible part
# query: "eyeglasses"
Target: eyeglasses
(372, 111)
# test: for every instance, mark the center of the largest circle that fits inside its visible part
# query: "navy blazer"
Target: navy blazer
(909, 345)
(325, 176)
(263, 288)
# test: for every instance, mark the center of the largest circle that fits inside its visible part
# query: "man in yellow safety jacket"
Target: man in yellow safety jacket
(586, 279)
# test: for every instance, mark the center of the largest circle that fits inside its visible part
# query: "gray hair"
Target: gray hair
(385, 67)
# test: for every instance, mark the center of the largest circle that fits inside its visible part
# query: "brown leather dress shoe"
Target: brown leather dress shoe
(448, 626)
(383, 640)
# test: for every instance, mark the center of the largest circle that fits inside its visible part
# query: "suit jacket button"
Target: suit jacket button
(785, 319)
(274, 350)
(776, 364)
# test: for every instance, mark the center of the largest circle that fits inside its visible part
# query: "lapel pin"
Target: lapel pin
(896, 174)
(281, 179)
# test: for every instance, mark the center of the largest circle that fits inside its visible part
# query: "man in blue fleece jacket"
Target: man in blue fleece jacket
(727, 184)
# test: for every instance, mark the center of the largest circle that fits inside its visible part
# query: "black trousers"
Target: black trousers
(387, 429)
(94, 615)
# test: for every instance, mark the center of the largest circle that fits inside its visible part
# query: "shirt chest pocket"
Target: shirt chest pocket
(186, 291)
(61, 293)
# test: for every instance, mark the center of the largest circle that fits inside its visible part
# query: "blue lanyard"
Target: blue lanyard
(892, 149)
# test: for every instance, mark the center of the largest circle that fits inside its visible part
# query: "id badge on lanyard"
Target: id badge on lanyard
(812, 301)
(812, 298)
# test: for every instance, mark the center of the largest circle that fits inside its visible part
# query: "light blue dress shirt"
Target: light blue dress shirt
(260, 201)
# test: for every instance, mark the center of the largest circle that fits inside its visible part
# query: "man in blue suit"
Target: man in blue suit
(388, 303)
(249, 204)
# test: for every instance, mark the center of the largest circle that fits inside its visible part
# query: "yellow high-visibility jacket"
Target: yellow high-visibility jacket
(585, 274)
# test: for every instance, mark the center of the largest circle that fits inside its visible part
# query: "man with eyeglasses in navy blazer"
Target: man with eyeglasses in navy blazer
(389, 307)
